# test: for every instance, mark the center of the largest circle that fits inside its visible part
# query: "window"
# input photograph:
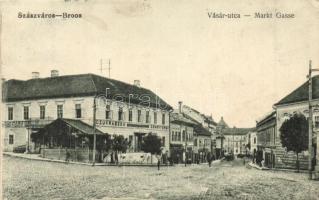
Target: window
(155, 117)
(254, 140)
(179, 136)
(139, 112)
(120, 114)
(163, 118)
(147, 120)
(130, 115)
(183, 135)
(107, 112)
(10, 113)
(78, 113)
(173, 136)
(25, 112)
(60, 111)
(10, 139)
(42, 112)
(195, 142)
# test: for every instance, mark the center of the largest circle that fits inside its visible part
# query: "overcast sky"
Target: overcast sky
(236, 68)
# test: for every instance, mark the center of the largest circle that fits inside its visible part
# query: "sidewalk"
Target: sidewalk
(37, 157)
(276, 169)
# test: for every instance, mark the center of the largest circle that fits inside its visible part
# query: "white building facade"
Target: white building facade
(121, 108)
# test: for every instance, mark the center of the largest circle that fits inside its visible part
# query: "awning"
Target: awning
(78, 125)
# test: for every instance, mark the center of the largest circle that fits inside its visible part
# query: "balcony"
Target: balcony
(114, 123)
(30, 123)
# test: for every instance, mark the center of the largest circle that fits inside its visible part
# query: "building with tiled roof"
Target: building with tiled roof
(296, 102)
(121, 108)
(236, 139)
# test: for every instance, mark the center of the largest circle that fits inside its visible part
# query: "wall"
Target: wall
(19, 138)
(87, 116)
(50, 108)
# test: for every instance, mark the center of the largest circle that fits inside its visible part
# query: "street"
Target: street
(27, 179)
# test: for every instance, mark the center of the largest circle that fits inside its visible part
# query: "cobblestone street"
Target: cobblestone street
(27, 179)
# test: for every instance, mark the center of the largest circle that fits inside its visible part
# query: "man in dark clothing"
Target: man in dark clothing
(209, 159)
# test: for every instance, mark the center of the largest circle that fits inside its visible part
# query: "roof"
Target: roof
(78, 86)
(201, 131)
(237, 131)
(269, 117)
(207, 119)
(301, 93)
(181, 118)
(82, 126)
(222, 123)
(77, 124)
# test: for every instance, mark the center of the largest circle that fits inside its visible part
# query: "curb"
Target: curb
(82, 163)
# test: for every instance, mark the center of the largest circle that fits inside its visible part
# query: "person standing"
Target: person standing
(158, 156)
(209, 159)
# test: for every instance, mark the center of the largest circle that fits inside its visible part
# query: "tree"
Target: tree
(151, 144)
(119, 143)
(294, 135)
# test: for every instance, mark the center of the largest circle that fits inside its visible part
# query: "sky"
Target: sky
(235, 68)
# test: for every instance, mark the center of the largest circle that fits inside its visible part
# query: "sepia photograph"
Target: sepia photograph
(149, 99)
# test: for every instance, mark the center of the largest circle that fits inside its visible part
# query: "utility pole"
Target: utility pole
(310, 124)
(94, 132)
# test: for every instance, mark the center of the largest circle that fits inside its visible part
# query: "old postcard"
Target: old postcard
(149, 99)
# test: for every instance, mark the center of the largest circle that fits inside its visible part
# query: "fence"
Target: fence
(75, 155)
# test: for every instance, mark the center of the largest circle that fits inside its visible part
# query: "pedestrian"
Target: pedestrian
(158, 161)
(67, 155)
(116, 158)
(209, 159)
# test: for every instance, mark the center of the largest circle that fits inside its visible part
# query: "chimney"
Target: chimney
(137, 83)
(35, 75)
(180, 107)
(54, 73)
